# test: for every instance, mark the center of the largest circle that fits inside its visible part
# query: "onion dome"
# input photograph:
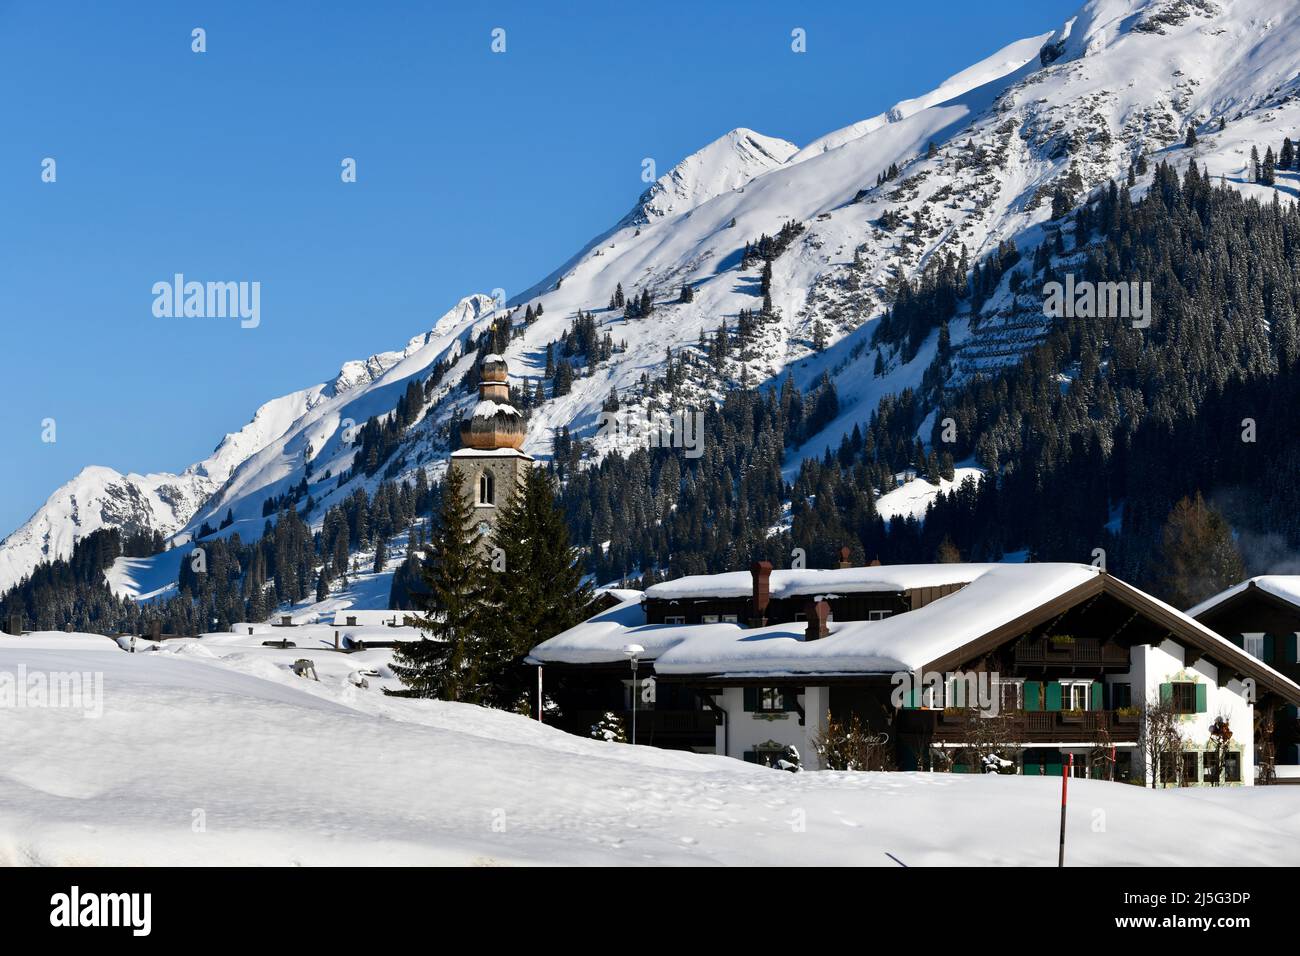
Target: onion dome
(493, 423)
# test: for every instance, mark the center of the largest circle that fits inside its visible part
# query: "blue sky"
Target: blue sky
(475, 171)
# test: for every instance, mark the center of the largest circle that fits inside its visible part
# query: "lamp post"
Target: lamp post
(633, 651)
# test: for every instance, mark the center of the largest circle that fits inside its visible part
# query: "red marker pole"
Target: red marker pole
(1112, 763)
(1067, 769)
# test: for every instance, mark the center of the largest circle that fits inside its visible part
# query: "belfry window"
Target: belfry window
(487, 493)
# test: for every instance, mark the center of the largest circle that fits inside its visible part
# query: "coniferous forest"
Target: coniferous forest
(1098, 438)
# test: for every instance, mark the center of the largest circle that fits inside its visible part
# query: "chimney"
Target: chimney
(818, 613)
(16, 625)
(761, 572)
(844, 558)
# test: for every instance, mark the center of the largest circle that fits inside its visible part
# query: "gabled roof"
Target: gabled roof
(369, 618)
(783, 584)
(1285, 587)
(993, 595)
(1001, 602)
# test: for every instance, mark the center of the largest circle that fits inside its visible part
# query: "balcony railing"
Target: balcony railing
(1077, 652)
(1089, 726)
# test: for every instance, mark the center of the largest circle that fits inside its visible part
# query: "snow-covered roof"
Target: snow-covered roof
(783, 584)
(995, 595)
(486, 408)
(489, 453)
(1284, 586)
(493, 357)
(369, 618)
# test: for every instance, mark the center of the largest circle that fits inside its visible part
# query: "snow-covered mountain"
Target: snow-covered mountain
(101, 497)
(978, 159)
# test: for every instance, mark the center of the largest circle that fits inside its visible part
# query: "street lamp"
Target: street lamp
(632, 651)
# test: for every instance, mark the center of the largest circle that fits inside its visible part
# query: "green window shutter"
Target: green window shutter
(1032, 689)
(1237, 639)
(1097, 702)
(1270, 649)
(957, 690)
(751, 700)
(1289, 648)
(750, 756)
(1200, 698)
(1166, 693)
(1053, 696)
(1052, 765)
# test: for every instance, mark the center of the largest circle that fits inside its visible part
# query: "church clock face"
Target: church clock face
(483, 528)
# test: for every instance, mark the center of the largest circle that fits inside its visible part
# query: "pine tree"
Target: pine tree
(540, 593)
(1190, 141)
(1197, 556)
(1267, 172)
(322, 586)
(381, 555)
(444, 662)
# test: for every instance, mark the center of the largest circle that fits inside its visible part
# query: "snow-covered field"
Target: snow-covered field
(211, 752)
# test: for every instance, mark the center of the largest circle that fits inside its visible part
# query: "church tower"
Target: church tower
(489, 461)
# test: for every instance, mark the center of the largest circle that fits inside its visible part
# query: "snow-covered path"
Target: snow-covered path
(278, 770)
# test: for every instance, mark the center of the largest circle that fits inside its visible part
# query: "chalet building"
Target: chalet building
(1262, 617)
(748, 664)
(359, 630)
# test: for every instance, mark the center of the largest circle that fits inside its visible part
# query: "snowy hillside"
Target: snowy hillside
(330, 772)
(100, 497)
(977, 158)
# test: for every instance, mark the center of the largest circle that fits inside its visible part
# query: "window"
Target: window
(878, 615)
(1233, 765)
(800, 616)
(1011, 695)
(1210, 767)
(1075, 695)
(1253, 644)
(709, 619)
(487, 492)
(1190, 768)
(771, 698)
(730, 619)
(1184, 698)
(1168, 768)
(1121, 695)
(674, 619)
(1124, 765)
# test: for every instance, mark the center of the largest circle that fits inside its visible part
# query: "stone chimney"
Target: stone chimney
(844, 558)
(818, 614)
(16, 625)
(761, 573)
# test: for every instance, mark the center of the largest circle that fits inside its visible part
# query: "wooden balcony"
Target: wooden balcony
(1079, 652)
(1049, 726)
